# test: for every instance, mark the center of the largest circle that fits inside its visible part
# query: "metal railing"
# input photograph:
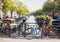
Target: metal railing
(33, 30)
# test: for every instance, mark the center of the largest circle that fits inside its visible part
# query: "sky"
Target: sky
(33, 5)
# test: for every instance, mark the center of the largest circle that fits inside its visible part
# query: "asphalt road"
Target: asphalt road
(25, 40)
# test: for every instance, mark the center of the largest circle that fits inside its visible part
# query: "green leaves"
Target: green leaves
(58, 5)
(39, 11)
(12, 6)
(6, 5)
(22, 10)
(48, 6)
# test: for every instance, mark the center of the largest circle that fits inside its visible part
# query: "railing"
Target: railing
(32, 30)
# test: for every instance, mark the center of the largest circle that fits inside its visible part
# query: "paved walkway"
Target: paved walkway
(25, 40)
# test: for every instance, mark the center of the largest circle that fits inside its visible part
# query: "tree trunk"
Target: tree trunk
(4, 16)
(53, 13)
(11, 13)
(19, 15)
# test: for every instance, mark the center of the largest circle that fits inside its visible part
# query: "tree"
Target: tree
(22, 10)
(38, 12)
(50, 6)
(1, 4)
(58, 5)
(5, 7)
(55, 6)
(1, 0)
(12, 7)
(17, 3)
